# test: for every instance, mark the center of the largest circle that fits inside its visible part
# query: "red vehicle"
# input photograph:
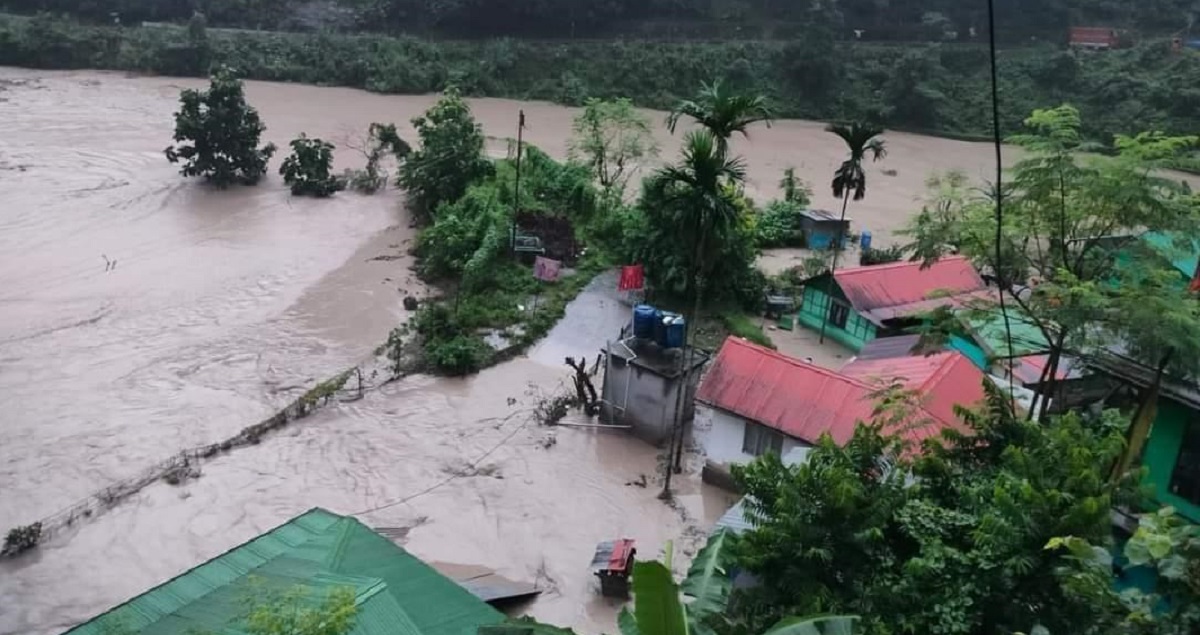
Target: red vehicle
(1093, 37)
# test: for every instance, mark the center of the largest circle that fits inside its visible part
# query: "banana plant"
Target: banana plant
(663, 607)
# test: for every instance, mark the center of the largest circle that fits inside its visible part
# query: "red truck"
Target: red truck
(1093, 37)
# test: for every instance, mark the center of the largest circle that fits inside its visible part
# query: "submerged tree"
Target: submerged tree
(381, 140)
(309, 169)
(612, 137)
(450, 158)
(217, 134)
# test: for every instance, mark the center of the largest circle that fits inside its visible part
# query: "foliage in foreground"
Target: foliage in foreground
(308, 170)
(217, 134)
(957, 550)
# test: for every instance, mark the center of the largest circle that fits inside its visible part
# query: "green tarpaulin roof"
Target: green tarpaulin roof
(395, 593)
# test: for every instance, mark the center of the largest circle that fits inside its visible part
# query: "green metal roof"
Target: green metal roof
(1167, 245)
(989, 330)
(395, 593)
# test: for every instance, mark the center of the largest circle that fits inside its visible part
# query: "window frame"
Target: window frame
(837, 306)
(758, 439)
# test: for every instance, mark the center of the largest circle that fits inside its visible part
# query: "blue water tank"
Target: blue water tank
(675, 331)
(865, 240)
(643, 321)
(660, 327)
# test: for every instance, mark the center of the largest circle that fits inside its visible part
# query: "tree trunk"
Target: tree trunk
(837, 245)
(684, 367)
(1047, 388)
(1143, 420)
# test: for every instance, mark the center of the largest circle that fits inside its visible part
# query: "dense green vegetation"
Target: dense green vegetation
(1019, 20)
(937, 88)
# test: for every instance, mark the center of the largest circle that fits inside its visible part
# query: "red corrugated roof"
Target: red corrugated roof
(800, 399)
(944, 379)
(898, 283)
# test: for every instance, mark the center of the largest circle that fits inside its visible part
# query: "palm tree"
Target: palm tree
(850, 179)
(722, 112)
(700, 195)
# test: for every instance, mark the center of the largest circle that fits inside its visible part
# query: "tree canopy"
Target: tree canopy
(449, 158)
(217, 134)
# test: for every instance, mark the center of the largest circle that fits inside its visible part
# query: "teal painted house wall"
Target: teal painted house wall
(1162, 451)
(814, 309)
(971, 351)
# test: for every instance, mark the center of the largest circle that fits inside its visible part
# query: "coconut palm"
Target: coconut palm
(722, 112)
(850, 179)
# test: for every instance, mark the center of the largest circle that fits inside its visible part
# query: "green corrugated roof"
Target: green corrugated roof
(1168, 246)
(395, 593)
(989, 330)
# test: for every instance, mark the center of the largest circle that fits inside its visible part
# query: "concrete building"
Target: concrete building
(642, 382)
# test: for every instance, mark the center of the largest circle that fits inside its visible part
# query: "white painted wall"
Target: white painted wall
(719, 434)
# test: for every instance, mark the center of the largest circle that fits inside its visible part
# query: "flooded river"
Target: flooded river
(221, 306)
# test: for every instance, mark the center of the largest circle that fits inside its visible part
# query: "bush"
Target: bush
(217, 134)
(779, 225)
(457, 356)
(745, 327)
(308, 170)
(872, 256)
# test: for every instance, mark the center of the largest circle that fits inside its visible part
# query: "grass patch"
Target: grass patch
(714, 326)
(451, 330)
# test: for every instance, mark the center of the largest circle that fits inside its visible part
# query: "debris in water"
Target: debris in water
(640, 481)
(410, 303)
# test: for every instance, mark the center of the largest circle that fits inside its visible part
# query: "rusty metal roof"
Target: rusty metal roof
(905, 283)
(800, 399)
(944, 380)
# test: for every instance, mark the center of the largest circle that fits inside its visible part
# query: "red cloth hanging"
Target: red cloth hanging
(632, 277)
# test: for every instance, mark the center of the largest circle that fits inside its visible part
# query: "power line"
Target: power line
(996, 142)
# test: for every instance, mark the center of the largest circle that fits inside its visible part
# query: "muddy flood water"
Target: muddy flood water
(223, 306)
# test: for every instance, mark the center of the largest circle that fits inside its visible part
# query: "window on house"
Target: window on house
(1185, 479)
(839, 312)
(760, 439)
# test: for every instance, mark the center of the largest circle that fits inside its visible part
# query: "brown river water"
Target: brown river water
(222, 305)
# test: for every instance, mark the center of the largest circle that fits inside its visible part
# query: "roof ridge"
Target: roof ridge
(951, 360)
(899, 264)
(798, 363)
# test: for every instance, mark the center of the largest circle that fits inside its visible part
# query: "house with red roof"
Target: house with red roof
(859, 304)
(755, 400)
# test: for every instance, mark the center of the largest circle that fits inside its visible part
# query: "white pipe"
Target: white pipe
(593, 425)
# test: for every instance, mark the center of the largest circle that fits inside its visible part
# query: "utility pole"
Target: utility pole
(517, 188)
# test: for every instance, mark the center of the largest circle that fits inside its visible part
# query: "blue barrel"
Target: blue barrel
(643, 321)
(865, 240)
(675, 330)
(660, 327)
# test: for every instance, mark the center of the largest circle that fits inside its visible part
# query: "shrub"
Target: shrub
(459, 355)
(217, 134)
(779, 225)
(308, 170)
(872, 256)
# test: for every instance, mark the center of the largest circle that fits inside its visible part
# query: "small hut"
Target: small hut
(821, 228)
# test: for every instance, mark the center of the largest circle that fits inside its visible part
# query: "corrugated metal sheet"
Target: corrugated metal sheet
(899, 283)
(799, 399)
(889, 347)
(912, 309)
(944, 380)
(822, 216)
(396, 593)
